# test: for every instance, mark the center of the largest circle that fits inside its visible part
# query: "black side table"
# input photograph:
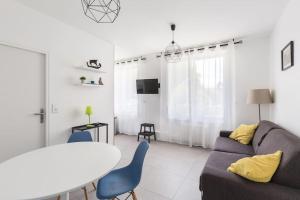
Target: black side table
(94, 126)
(146, 131)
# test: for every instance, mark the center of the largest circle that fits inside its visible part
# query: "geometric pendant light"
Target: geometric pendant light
(101, 11)
(173, 52)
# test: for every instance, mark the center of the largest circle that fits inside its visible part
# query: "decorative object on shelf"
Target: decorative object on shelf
(173, 52)
(287, 56)
(82, 79)
(100, 81)
(89, 112)
(259, 96)
(93, 64)
(101, 11)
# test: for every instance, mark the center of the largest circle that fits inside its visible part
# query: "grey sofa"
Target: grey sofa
(218, 184)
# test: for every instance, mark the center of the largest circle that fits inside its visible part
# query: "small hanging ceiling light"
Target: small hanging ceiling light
(101, 11)
(173, 52)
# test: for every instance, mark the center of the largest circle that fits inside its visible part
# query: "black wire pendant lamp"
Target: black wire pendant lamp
(101, 11)
(173, 52)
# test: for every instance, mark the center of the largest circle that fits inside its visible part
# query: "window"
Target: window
(196, 89)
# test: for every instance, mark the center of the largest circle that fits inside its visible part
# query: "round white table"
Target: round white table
(56, 170)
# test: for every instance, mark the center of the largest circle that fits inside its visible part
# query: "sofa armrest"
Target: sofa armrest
(225, 133)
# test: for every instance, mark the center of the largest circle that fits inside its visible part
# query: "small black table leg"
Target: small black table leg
(149, 139)
(154, 133)
(98, 137)
(107, 133)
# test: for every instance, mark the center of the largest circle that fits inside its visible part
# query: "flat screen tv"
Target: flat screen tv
(147, 86)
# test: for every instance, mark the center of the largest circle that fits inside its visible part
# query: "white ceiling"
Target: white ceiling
(143, 25)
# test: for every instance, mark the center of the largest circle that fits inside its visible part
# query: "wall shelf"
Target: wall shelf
(89, 85)
(100, 71)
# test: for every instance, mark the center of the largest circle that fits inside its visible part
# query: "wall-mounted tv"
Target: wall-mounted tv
(147, 86)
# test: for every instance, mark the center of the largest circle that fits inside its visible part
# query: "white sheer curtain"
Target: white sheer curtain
(126, 99)
(196, 97)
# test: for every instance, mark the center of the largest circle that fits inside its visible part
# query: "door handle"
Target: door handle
(41, 114)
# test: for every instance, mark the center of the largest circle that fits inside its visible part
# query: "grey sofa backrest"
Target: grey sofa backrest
(264, 127)
(288, 172)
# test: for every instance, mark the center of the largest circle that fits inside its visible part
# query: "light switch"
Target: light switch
(54, 109)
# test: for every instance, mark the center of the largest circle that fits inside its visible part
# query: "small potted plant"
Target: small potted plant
(82, 79)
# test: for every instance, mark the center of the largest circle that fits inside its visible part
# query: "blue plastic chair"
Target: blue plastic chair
(83, 136)
(124, 180)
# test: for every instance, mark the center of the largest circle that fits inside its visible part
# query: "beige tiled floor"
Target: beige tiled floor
(171, 171)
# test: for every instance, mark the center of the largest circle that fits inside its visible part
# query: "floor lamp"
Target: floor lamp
(259, 96)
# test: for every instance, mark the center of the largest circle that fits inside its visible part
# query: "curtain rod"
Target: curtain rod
(185, 50)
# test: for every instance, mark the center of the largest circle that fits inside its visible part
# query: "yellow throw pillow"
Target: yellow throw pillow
(259, 168)
(244, 133)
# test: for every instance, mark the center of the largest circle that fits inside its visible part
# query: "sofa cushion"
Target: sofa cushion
(259, 168)
(216, 183)
(263, 129)
(232, 146)
(288, 172)
(244, 133)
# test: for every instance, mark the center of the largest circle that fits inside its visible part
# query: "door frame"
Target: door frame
(47, 83)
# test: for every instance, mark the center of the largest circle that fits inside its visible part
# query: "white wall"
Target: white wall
(252, 72)
(286, 84)
(68, 47)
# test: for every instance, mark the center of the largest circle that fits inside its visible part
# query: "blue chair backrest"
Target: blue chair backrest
(83, 136)
(137, 162)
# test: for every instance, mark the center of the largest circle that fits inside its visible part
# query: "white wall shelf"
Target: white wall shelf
(90, 69)
(89, 85)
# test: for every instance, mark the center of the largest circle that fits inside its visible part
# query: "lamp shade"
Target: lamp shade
(259, 96)
(89, 110)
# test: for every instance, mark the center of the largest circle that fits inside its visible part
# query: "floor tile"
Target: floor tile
(161, 182)
(197, 167)
(188, 190)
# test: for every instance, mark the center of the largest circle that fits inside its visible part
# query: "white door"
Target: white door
(22, 90)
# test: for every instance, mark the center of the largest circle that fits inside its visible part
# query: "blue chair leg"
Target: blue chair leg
(85, 193)
(94, 186)
(133, 195)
